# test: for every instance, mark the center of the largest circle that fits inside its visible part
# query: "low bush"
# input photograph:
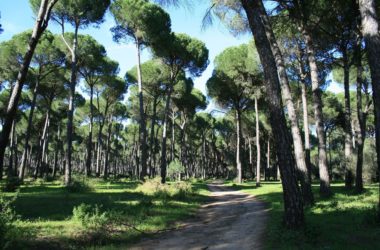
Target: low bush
(79, 187)
(91, 217)
(12, 184)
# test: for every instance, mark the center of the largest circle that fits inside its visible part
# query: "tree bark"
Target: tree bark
(294, 216)
(258, 151)
(349, 178)
(89, 142)
(70, 113)
(143, 145)
(164, 135)
(370, 31)
(238, 147)
(318, 115)
(153, 123)
(28, 130)
(39, 27)
(362, 117)
(302, 169)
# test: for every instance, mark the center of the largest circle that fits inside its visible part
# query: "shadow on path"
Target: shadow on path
(231, 220)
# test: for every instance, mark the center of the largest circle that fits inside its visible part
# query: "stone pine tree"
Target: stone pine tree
(294, 216)
(43, 10)
(232, 86)
(79, 14)
(144, 23)
(181, 53)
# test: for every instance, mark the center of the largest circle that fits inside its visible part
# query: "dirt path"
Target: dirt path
(232, 220)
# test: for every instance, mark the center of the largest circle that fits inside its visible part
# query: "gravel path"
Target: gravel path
(232, 220)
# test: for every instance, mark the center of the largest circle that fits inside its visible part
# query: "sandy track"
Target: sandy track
(232, 220)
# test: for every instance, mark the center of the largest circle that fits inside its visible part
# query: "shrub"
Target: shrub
(79, 187)
(183, 189)
(175, 168)
(12, 184)
(7, 219)
(90, 217)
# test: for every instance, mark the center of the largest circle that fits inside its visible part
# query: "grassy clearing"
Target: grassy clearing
(125, 210)
(344, 221)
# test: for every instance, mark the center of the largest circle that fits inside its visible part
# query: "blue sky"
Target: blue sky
(16, 16)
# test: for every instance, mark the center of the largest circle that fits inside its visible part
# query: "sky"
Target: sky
(17, 16)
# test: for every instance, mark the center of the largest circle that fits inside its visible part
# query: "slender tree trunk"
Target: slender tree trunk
(318, 115)
(108, 147)
(70, 113)
(349, 178)
(164, 135)
(28, 130)
(172, 146)
(258, 150)
(41, 24)
(44, 144)
(294, 216)
(251, 157)
(305, 111)
(143, 133)
(11, 150)
(153, 123)
(268, 156)
(57, 150)
(361, 117)
(303, 172)
(238, 147)
(89, 143)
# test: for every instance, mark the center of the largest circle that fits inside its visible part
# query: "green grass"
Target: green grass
(344, 221)
(45, 212)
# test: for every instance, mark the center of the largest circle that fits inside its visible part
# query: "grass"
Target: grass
(45, 211)
(344, 221)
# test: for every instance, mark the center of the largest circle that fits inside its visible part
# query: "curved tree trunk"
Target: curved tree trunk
(41, 24)
(294, 216)
(303, 171)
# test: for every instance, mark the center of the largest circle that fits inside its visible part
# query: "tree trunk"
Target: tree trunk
(11, 150)
(238, 147)
(347, 121)
(28, 130)
(57, 149)
(258, 151)
(361, 117)
(108, 147)
(370, 31)
(164, 136)
(41, 24)
(302, 169)
(268, 157)
(143, 145)
(153, 123)
(318, 115)
(70, 113)
(89, 142)
(305, 112)
(294, 216)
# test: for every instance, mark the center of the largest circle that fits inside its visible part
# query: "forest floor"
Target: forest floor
(98, 214)
(346, 220)
(231, 220)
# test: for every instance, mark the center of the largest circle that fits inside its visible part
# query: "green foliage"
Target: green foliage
(90, 217)
(12, 184)
(141, 21)
(77, 186)
(175, 167)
